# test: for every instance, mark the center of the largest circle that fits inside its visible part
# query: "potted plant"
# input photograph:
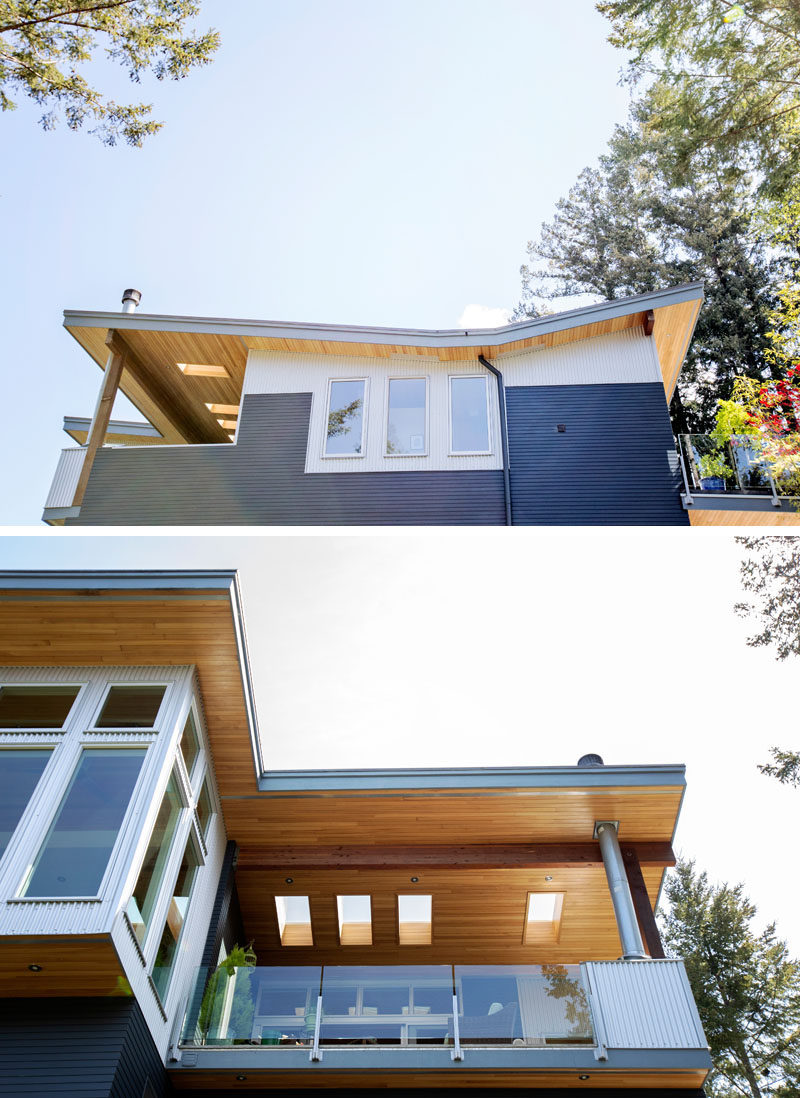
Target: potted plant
(239, 962)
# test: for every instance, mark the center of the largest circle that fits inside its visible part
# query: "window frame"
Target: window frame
(425, 451)
(452, 452)
(51, 749)
(40, 729)
(138, 729)
(538, 932)
(165, 897)
(326, 415)
(52, 816)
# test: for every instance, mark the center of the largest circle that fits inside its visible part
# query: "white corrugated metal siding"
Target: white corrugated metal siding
(65, 479)
(645, 1004)
(627, 356)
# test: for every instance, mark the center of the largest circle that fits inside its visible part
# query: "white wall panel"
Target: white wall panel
(282, 372)
(65, 478)
(627, 356)
(645, 1004)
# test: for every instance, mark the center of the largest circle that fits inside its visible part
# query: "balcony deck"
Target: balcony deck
(623, 1024)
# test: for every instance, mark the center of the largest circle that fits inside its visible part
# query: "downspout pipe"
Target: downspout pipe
(501, 404)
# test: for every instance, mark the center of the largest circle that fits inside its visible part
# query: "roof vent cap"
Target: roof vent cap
(590, 760)
(130, 299)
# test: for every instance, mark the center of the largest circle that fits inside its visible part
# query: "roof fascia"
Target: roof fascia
(497, 779)
(155, 580)
(115, 426)
(343, 333)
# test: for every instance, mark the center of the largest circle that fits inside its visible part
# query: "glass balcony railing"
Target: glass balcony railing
(734, 466)
(391, 1005)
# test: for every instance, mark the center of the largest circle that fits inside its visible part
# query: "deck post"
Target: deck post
(641, 902)
(624, 911)
(102, 415)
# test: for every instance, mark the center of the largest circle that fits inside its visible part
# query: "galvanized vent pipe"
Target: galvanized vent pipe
(130, 299)
(624, 912)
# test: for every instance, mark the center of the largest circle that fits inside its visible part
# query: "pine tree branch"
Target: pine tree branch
(56, 16)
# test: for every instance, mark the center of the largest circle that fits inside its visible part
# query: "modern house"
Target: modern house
(557, 420)
(175, 917)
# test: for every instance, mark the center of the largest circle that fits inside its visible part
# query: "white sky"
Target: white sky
(356, 162)
(459, 649)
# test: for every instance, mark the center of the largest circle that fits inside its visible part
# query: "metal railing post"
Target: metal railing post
(316, 1053)
(775, 500)
(688, 492)
(456, 1054)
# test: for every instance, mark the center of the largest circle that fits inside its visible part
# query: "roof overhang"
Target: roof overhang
(177, 402)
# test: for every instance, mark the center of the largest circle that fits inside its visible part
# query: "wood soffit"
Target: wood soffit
(175, 403)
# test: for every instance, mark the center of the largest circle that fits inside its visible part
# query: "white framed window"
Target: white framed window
(146, 892)
(345, 418)
(24, 706)
(130, 705)
(177, 912)
(470, 430)
(407, 417)
(76, 851)
(20, 771)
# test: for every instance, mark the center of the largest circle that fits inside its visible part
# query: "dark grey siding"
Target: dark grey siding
(609, 467)
(261, 481)
(77, 1048)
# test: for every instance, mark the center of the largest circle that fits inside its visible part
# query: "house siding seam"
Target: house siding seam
(261, 480)
(77, 1048)
(610, 467)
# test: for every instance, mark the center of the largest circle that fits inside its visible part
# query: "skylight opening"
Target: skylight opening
(294, 920)
(202, 369)
(543, 916)
(414, 919)
(355, 920)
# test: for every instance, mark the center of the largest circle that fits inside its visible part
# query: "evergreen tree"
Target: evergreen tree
(627, 227)
(43, 44)
(746, 987)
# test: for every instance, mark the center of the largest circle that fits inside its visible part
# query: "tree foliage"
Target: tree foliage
(770, 575)
(746, 986)
(718, 74)
(44, 44)
(628, 227)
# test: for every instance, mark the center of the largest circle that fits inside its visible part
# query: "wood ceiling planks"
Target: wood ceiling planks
(71, 965)
(478, 915)
(704, 517)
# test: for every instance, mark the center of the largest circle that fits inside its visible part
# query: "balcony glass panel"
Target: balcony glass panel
(522, 1005)
(734, 466)
(269, 1006)
(386, 1005)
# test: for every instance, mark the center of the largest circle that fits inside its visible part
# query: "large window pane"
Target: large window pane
(345, 431)
(131, 707)
(405, 432)
(74, 856)
(190, 744)
(20, 770)
(145, 894)
(469, 415)
(36, 706)
(205, 809)
(176, 917)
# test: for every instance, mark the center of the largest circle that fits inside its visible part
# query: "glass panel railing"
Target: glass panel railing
(522, 1005)
(734, 466)
(387, 1005)
(260, 1006)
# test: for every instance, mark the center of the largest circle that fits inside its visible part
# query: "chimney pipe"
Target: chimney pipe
(130, 299)
(590, 760)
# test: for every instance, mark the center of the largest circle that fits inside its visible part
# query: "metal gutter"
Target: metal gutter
(115, 426)
(501, 403)
(499, 779)
(350, 333)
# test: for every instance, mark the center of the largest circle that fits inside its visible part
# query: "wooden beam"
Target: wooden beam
(494, 856)
(649, 322)
(102, 414)
(200, 427)
(641, 901)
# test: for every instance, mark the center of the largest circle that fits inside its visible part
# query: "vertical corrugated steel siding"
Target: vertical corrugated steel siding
(261, 481)
(612, 465)
(646, 1004)
(65, 478)
(76, 1048)
(627, 356)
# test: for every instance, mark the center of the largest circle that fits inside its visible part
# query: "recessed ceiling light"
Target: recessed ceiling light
(583, 1076)
(289, 880)
(548, 877)
(414, 880)
(35, 968)
(241, 1078)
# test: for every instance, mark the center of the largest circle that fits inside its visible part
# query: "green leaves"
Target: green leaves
(44, 44)
(746, 986)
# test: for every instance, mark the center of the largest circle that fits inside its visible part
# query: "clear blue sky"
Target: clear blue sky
(356, 162)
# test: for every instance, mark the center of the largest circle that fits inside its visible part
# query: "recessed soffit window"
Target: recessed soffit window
(543, 917)
(294, 920)
(36, 706)
(414, 919)
(355, 920)
(131, 707)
